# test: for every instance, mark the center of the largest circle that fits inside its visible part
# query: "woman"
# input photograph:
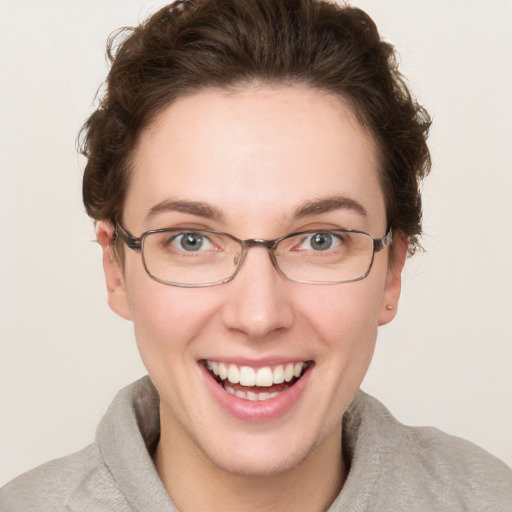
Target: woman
(229, 133)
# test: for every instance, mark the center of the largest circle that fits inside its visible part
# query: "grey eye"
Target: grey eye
(190, 241)
(321, 241)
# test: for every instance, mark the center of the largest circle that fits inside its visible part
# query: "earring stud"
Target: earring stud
(389, 307)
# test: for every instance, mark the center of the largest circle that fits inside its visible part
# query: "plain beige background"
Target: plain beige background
(447, 358)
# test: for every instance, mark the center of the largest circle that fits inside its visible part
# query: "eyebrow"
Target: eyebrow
(306, 209)
(328, 204)
(192, 207)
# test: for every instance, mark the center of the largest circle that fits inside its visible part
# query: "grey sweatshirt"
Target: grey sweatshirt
(392, 467)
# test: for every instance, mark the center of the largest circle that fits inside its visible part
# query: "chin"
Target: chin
(264, 465)
(268, 456)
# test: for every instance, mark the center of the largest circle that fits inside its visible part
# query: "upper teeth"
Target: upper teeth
(247, 376)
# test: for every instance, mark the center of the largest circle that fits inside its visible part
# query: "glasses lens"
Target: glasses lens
(191, 258)
(325, 256)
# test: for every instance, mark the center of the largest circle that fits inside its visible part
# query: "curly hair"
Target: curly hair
(191, 45)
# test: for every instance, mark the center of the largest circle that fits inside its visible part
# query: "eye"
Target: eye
(190, 241)
(321, 241)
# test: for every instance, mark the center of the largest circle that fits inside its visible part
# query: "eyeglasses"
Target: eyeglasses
(194, 258)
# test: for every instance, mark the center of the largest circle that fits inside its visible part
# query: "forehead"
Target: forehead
(256, 153)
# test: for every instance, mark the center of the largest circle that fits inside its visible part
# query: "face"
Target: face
(255, 158)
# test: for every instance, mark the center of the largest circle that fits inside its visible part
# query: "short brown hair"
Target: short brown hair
(191, 45)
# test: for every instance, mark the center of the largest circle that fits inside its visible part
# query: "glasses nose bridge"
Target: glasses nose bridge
(257, 242)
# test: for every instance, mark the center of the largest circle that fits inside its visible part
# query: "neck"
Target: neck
(195, 483)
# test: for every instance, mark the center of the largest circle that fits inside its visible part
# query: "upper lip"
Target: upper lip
(256, 363)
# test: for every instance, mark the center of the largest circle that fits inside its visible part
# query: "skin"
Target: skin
(256, 155)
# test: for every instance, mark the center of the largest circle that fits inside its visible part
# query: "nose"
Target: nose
(257, 302)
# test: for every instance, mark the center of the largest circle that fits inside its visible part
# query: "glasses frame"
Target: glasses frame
(137, 244)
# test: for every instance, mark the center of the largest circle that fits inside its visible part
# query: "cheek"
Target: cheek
(345, 319)
(166, 319)
(350, 309)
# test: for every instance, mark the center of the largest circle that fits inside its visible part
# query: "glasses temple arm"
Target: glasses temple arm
(385, 241)
(131, 241)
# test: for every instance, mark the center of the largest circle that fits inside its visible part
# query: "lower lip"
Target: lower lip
(260, 411)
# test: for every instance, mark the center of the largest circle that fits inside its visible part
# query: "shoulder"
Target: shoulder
(422, 466)
(465, 472)
(59, 484)
(109, 474)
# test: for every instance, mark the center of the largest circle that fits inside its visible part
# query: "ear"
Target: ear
(393, 284)
(114, 276)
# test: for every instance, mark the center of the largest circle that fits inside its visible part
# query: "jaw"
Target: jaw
(239, 436)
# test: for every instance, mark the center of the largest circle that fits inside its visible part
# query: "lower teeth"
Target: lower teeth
(250, 395)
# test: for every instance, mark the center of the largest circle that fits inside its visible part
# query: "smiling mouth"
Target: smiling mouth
(256, 385)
